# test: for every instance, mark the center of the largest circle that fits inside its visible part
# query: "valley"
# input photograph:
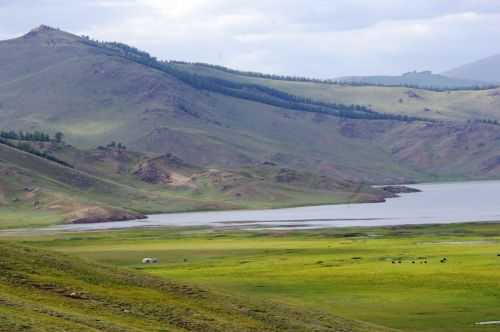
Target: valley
(95, 136)
(393, 279)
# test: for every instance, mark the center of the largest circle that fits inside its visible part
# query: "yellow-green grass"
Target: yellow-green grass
(346, 272)
(44, 291)
(447, 105)
(27, 216)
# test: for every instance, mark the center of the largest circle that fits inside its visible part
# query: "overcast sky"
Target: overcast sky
(317, 38)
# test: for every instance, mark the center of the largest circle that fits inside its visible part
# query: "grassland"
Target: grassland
(49, 292)
(448, 105)
(352, 273)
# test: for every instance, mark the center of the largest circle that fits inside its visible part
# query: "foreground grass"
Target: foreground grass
(346, 272)
(50, 292)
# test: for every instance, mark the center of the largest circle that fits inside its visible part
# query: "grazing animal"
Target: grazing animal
(149, 260)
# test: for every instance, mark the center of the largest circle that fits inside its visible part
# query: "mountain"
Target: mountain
(424, 79)
(486, 70)
(211, 117)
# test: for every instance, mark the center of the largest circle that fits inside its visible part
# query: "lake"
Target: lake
(455, 202)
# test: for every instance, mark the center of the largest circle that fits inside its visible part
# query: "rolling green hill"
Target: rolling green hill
(35, 191)
(439, 105)
(65, 293)
(111, 183)
(97, 92)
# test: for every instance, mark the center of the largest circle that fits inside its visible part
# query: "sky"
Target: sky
(313, 38)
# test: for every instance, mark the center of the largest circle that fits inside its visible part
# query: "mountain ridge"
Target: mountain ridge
(486, 69)
(98, 92)
(421, 80)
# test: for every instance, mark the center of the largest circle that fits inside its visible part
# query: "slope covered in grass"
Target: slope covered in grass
(391, 276)
(44, 291)
(57, 81)
(36, 191)
(445, 105)
(110, 184)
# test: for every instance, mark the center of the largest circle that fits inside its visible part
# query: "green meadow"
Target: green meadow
(420, 278)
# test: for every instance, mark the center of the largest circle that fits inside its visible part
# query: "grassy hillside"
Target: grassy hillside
(56, 81)
(392, 277)
(35, 191)
(446, 105)
(65, 293)
(114, 184)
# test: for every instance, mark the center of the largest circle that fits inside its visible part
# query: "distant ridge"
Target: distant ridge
(486, 70)
(423, 79)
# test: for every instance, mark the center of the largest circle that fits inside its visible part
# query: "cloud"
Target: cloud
(322, 38)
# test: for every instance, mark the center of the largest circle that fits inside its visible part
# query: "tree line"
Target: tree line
(487, 121)
(333, 81)
(26, 147)
(257, 74)
(113, 145)
(253, 92)
(36, 136)
(477, 87)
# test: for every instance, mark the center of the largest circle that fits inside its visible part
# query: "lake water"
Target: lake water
(437, 203)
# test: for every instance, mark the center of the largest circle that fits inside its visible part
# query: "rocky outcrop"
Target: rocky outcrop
(98, 215)
(150, 172)
(400, 190)
(286, 175)
(166, 169)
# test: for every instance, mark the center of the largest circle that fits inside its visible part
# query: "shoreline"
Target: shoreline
(437, 204)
